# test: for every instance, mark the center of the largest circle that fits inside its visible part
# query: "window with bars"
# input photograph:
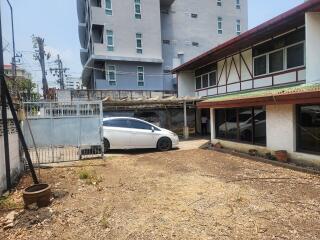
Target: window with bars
(108, 7)
(139, 43)
(111, 75)
(137, 9)
(110, 40)
(238, 27)
(238, 4)
(219, 23)
(140, 76)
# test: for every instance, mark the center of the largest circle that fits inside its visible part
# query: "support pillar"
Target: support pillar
(185, 126)
(212, 124)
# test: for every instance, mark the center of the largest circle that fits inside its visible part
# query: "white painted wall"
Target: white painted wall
(15, 163)
(312, 46)
(281, 128)
(186, 84)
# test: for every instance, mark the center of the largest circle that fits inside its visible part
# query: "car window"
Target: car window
(139, 125)
(121, 123)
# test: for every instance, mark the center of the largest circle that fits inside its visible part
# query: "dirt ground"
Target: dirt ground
(189, 194)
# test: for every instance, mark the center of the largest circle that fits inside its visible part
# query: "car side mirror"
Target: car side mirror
(152, 129)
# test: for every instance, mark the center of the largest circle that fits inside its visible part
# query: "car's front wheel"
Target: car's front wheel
(106, 145)
(164, 144)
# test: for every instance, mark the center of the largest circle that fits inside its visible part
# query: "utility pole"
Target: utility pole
(59, 71)
(38, 44)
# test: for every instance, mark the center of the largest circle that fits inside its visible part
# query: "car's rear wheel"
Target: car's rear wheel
(164, 144)
(106, 145)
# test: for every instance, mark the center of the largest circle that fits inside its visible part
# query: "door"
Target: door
(118, 133)
(142, 135)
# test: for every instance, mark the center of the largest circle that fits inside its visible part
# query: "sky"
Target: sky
(57, 22)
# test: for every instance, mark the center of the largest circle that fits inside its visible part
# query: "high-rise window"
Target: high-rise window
(237, 4)
(111, 75)
(238, 27)
(137, 9)
(110, 40)
(219, 25)
(140, 76)
(139, 42)
(108, 7)
(219, 3)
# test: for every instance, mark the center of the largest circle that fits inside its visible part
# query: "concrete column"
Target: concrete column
(212, 124)
(281, 128)
(312, 47)
(185, 126)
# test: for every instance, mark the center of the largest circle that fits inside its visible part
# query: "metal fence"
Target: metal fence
(63, 131)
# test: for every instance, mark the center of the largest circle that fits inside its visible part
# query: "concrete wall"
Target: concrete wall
(15, 163)
(127, 76)
(186, 84)
(312, 48)
(125, 27)
(181, 29)
(281, 129)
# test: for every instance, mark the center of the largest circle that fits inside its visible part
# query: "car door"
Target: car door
(118, 133)
(143, 134)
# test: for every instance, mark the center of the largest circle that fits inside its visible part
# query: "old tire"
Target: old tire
(106, 145)
(164, 144)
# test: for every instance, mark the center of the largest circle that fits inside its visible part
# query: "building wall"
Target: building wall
(16, 165)
(312, 48)
(281, 122)
(182, 30)
(186, 84)
(125, 26)
(127, 76)
(174, 24)
(235, 73)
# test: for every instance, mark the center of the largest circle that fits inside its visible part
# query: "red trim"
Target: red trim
(284, 22)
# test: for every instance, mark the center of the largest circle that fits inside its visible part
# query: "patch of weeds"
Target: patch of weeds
(84, 174)
(90, 177)
(7, 203)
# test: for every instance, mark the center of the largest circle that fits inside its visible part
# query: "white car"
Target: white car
(131, 133)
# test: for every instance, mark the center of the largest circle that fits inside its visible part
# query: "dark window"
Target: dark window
(195, 44)
(121, 123)
(276, 61)
(280, 42)
(246, 125)
(308, 128)
(205, 81)
(198, 83)
(139, 125)
(232, 124)
(260, 126)
(166, 41)
(221, 129)
(212, 79)
(194, 15)
(295, 56)
(260, 65)
(206, 69)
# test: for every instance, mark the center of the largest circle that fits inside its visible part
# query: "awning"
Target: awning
(301, 94)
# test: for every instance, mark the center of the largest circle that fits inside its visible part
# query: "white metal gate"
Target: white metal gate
(63, 131)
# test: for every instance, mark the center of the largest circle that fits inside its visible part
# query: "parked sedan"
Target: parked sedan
(133, 133)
